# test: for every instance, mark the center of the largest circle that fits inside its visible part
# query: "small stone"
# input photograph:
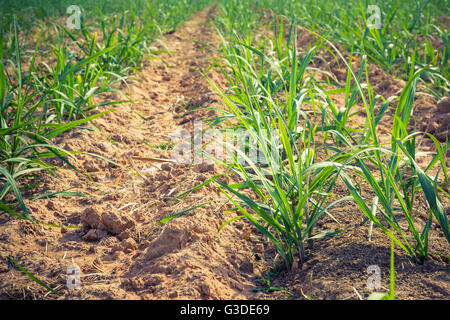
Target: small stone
(63, 230)
(91, 217)
(205, 289)
(51, 206)
(443, 106)
(247, 266)
(94, 235)
(165, 167)
(124, 235)
(91, 235)
(128, 245)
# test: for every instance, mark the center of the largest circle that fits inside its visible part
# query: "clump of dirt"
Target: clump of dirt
(97, 225)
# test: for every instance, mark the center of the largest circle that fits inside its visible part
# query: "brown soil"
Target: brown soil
(124, 254)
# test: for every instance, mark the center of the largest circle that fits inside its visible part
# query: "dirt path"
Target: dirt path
(120, 250)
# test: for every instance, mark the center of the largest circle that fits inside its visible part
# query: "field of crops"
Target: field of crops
(229, 149)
